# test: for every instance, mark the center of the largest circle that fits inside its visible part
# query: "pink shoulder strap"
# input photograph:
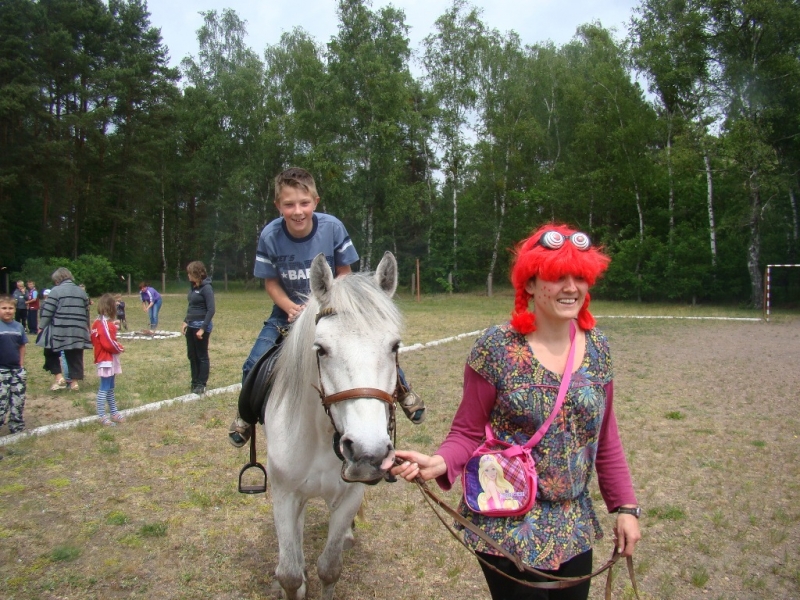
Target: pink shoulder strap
(562, 392)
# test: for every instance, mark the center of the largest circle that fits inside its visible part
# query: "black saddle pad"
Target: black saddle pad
(257, 386)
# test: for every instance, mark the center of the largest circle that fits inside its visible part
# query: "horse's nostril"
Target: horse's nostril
(347, 447)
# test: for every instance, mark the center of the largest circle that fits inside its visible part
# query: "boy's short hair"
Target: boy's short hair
(6, 299)
(297, 178)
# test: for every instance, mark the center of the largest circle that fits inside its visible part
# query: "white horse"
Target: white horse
(344, 343)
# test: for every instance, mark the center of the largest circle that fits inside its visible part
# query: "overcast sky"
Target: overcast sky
(535, 21)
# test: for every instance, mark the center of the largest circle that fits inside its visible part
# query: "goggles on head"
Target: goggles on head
(553, 240)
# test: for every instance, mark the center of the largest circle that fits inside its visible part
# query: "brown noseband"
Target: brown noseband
(355, 393)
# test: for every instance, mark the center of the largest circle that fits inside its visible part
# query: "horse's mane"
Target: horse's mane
(359, 304)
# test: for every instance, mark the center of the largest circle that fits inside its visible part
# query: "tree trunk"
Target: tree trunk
(370, 237)
(712, 228)
(670, 178)
(502, 208)
(455, 227)
(163, 235)
(754, 247)
(795, 226)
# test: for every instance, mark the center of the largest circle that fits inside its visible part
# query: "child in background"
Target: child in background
(151, 304)
(120, 303)
(106, 357)
(21, 309)
(13, 377)
(32, 302)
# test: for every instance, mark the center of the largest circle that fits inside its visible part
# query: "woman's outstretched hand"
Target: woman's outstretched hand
(416, 464)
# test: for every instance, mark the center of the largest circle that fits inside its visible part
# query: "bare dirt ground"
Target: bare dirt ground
(708, 412)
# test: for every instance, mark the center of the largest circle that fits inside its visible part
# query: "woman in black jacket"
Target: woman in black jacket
(197, 324)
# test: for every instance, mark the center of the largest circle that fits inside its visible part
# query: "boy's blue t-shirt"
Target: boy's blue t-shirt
(281, 256)
(12, 336)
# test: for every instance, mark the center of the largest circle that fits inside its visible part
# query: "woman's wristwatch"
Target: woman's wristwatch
(636, 511)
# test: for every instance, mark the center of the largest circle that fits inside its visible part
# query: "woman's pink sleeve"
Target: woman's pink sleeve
(469, 423)
(613, 475)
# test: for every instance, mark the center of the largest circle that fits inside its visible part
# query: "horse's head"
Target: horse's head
(357, 337)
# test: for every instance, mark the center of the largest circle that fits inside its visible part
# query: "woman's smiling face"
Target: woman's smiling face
(558, 300)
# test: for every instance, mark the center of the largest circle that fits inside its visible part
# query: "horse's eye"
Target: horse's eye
(321, 351)
(396, 347)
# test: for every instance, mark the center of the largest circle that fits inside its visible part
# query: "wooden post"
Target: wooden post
(163, 283)
(226, 279)
(413, 283)
(129, 284)
(418, 286)
(489, 285)
(450, 282)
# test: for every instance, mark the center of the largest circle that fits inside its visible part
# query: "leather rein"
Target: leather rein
(363, 392)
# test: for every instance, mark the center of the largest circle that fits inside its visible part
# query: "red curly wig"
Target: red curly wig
(534, 260)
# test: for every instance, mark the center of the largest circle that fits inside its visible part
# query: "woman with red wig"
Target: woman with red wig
(511, 382)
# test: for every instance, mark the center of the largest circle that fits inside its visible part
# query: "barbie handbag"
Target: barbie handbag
(500, 479)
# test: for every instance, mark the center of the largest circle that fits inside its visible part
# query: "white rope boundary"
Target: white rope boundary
(687, 318)
(157, 335)
(153, 406)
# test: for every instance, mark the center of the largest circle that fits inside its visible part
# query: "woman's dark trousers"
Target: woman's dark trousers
(197, 351)
(503, 588)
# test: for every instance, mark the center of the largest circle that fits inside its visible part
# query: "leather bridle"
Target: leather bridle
(329, 400)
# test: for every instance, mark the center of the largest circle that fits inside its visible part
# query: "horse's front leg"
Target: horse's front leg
(289, 512)
(343, 510)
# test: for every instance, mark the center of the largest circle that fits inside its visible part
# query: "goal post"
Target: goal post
(767, 275)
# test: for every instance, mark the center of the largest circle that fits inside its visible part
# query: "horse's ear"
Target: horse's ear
(386, 275)
(321, 279)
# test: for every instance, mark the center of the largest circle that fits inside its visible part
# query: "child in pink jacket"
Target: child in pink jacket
(106, 357)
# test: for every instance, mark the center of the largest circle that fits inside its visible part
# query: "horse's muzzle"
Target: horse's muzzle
(363, 464)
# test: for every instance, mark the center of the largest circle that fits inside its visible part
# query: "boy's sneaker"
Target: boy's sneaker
(239, 432)
(413, 406)
(199, 389)
(106, 421)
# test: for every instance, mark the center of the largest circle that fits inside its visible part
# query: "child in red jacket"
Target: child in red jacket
(106, 357)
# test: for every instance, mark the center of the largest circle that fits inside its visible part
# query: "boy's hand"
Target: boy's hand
(199, 334)
(295, 311)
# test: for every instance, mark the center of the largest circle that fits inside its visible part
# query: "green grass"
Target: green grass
(669, 513)
(117, 518)
(153, 530)
(65, 553)
(699, 576)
